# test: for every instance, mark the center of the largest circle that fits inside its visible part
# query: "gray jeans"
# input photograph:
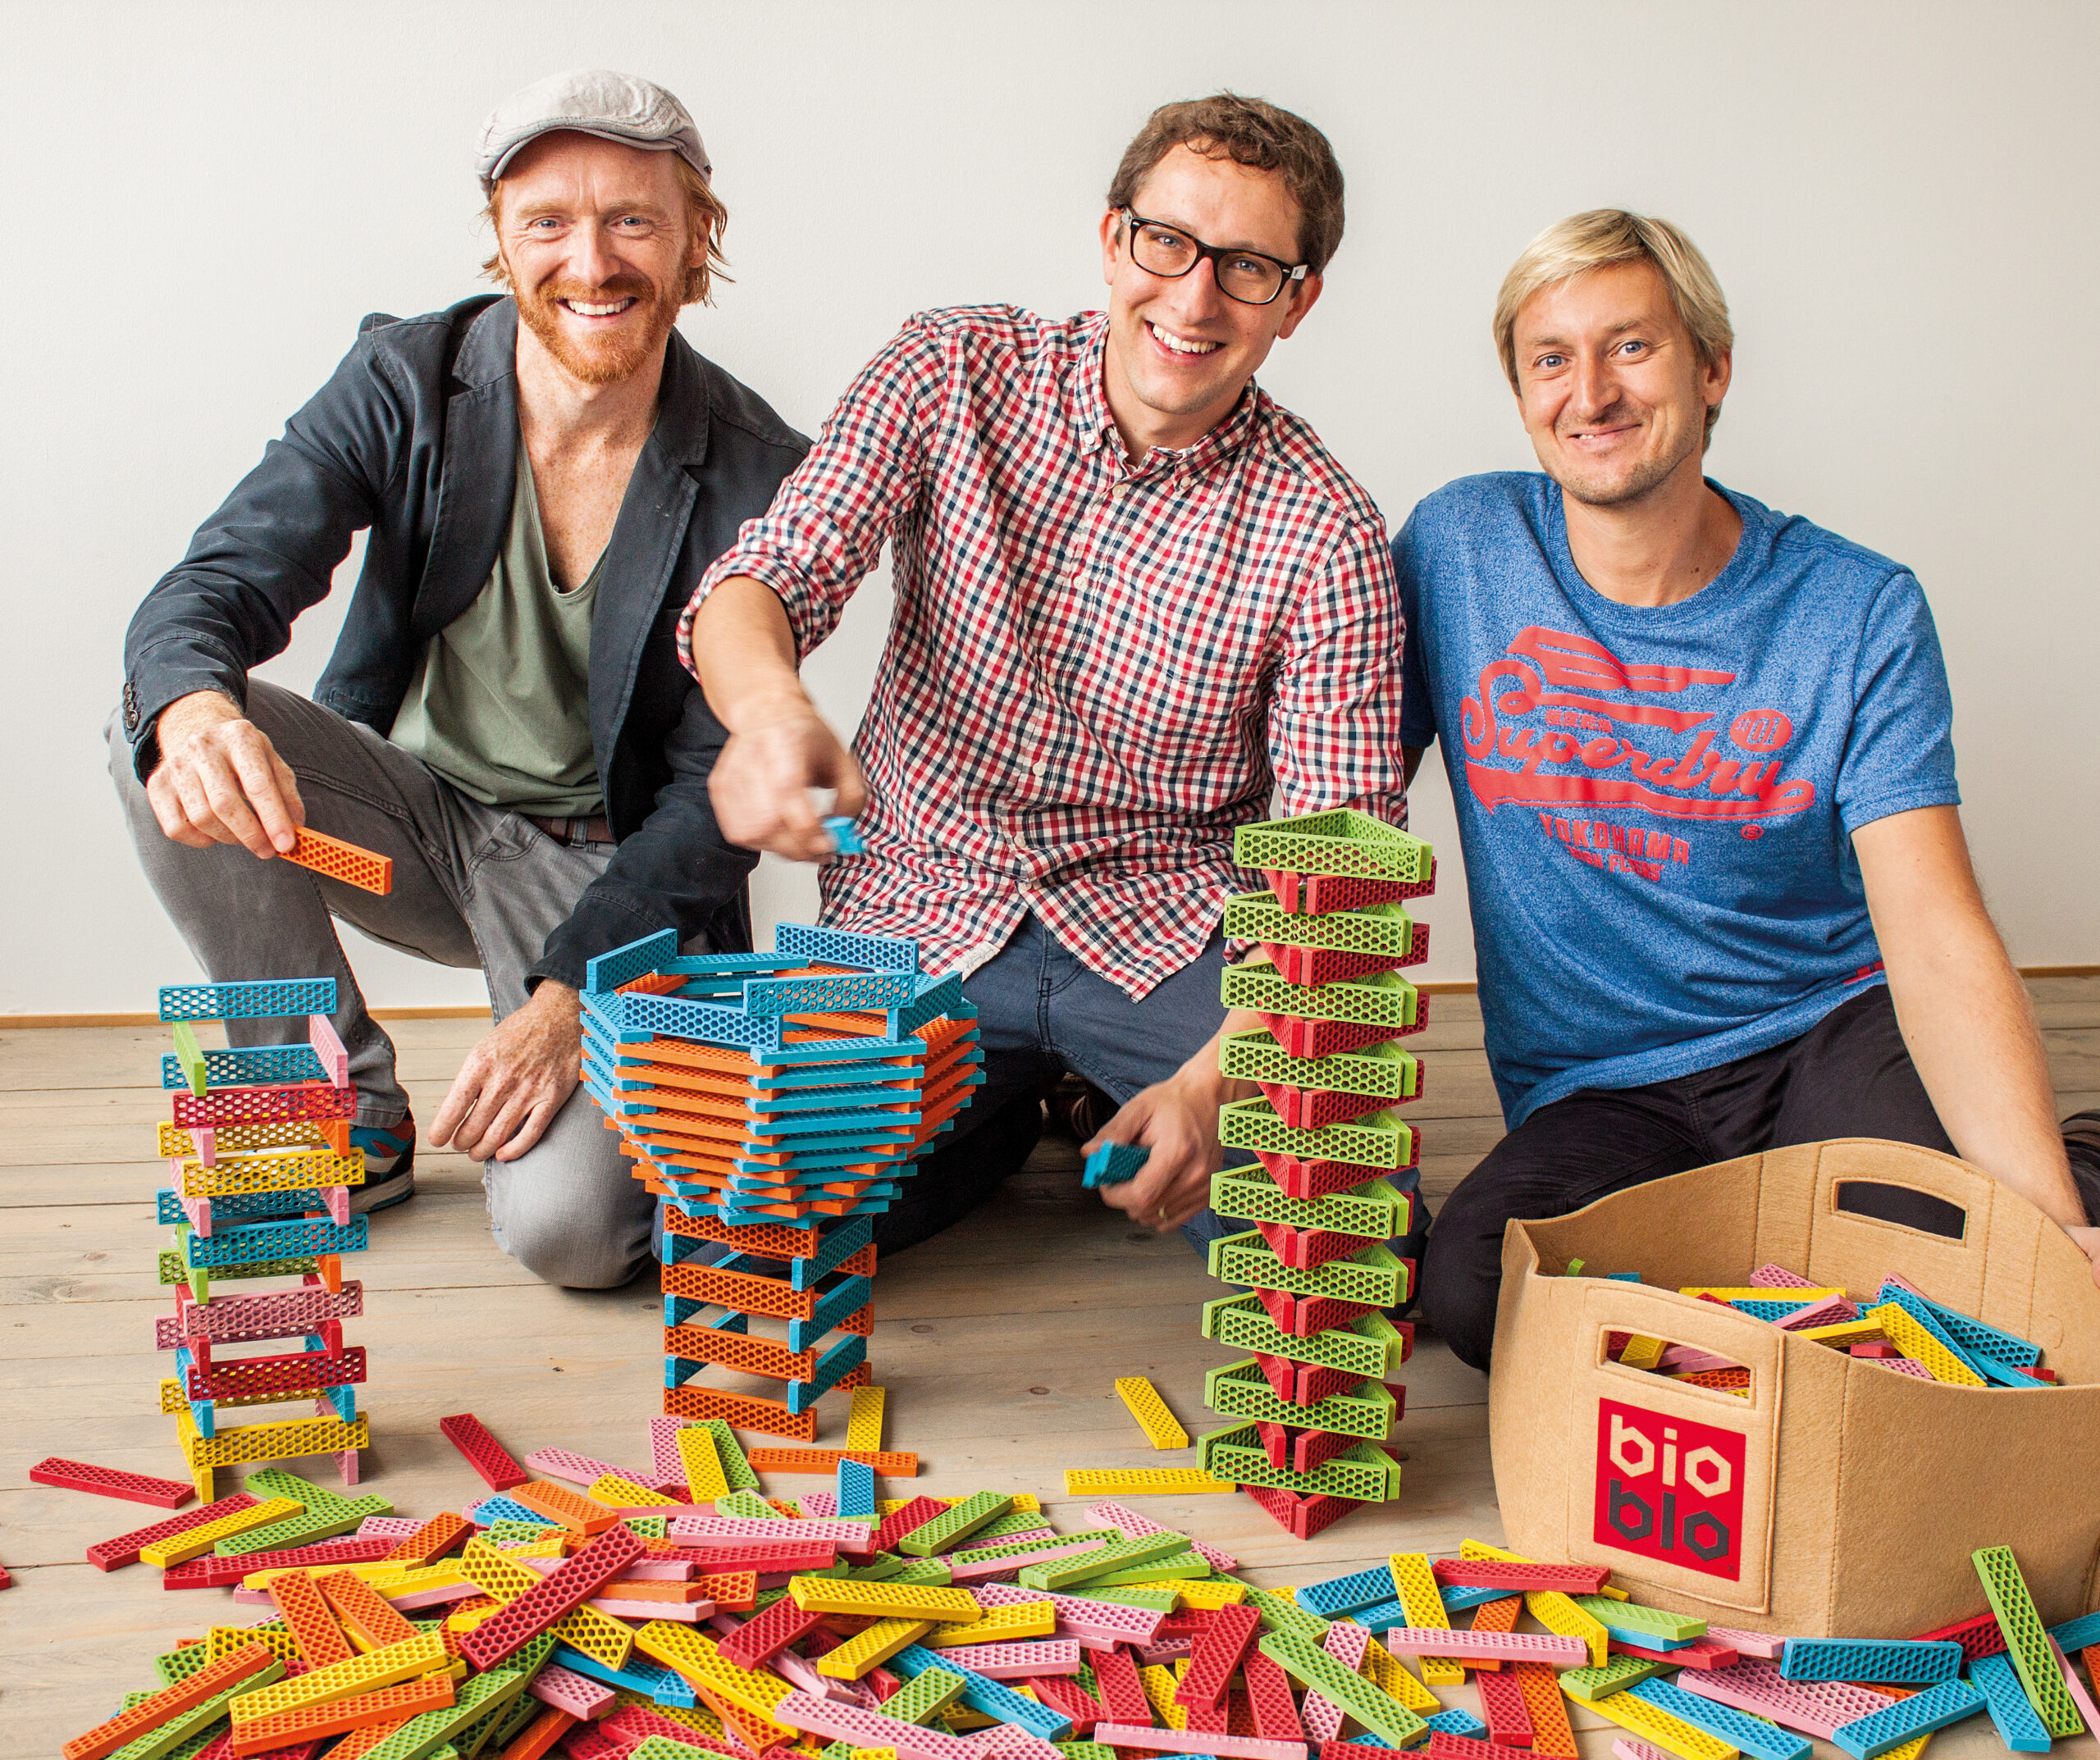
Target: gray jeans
(473, 887)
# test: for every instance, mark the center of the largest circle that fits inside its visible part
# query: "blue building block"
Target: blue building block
(623, 965)
(1622, 1277)
(846, 835)
(1757, 1738)
(2076, 1634)
(836, 993)
(850, 1298)
(988, 1697)
(243, 1206)
(639, 1676)
(273, 1240)
(857, 1489)
(269, 999)
(249, 1067)
(1950, 1702)
(1893, 1662)
(1458, 1720)
(1387, 1614)
(492, 1509)
(839, 1360)
(1457, 1600)
(1338, 1595)
(2018, 1727)
(1980, 1342)
(1113, 1163)
(1768, 1309)
(816, 947)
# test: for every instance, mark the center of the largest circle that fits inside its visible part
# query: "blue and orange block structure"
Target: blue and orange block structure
(261, 1170)
(775, 1103)
(1334, 1173)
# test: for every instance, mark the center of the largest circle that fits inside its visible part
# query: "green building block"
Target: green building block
(1021, 1549)
(1382, 929)
(1343, 842)
(477, 1695)
(1111, 1555)
(1183, 1567)
(955, 1524)
(323, 1523)
(1164, 1599)
(1376, 1210)
(1376, 1140)
(1630, 1615)
(935, 1571)
(2026, 1640)
(1279, 1613)
(1371, 1275)
(1240, 1390)
(1620, 1672)
(1367, 1346)
(1335, 1680)
(1363, 1472)
(1381, 1072)
(1377, 999)
(746, 1503)
(924, 1697)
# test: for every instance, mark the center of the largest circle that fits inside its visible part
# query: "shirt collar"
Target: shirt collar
(1093, 424)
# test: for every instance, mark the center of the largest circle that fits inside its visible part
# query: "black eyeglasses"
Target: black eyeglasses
(1248, 276)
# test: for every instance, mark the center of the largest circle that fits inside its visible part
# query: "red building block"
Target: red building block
(1300, 1516)
(1330, 965)
(1303, 1384)
(106, 1482)
(1502, 1708)
(1980, 1636)
(1308, 1316)
(1219, 1652)
(212, 1572)
(114, 1554)
(1702, 1653)
(551, 1599)
(289, 1372)
(1269, 1698)
(1301, 1450)
(900, 1522)
(1121, 1692)
(1316, 895)
(1307, 1249)
(484, 1453)
(758, 1640)
(1065, 1696)
(1489, 1573)
(1300, 1178)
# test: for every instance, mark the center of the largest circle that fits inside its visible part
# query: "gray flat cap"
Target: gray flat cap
(612, 106)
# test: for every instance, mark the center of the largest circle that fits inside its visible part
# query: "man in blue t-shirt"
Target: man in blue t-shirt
(1701, 757)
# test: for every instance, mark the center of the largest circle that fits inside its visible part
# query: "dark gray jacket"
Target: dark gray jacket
(416, 439)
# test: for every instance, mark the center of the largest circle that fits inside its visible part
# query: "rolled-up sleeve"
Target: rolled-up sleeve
(1334, 722)
(824, 533)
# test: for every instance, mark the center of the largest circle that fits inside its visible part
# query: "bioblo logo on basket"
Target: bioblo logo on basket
(1669, 1488)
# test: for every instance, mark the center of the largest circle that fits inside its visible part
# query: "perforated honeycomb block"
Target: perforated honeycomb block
(240, 1175)
(255, 1240)
(1342, 1686)
(1918, 1344)
(1935, 1708)
(322, 1522)
(2027, 1642)
(389, 1706)
(1312, 1108)
(1515, 1579)
(265, 999)
(384, 1667)
(1113, 1164)
(290, 1439)
(1372, 1275)
(1904, 1664)
(179, 1546)
(1541, 1687)
(1632, 1619)
(107, 1482)
(584, 1576)
(1370, 1346)
(1757, 1737)
(155, 1709)
(1376, 1142)
(1615, 1676)
(1670, 1734)
(309, 1102)
(1342, 842)
(292, 1371)
(1383, 930)
(1381, 1000)
(890, 1463)
(1971, 1336)
(2019, 1727)
(241, 1067)
(1360, 1472)
(1140, 1481)
(1755, 1685)
(491, 1460)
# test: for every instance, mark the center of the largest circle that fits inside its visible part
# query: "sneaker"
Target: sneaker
(390, 1166)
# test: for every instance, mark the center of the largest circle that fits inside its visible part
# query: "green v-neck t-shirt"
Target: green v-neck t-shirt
(500, 704)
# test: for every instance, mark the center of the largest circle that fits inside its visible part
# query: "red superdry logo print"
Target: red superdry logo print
(1669, 1488)
(1562, 720)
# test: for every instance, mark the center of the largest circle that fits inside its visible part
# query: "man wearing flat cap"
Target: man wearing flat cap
(504, 715)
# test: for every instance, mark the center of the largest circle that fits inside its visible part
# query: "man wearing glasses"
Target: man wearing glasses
(1134, 599)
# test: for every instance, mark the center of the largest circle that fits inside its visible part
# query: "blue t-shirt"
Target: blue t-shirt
(1656, 805)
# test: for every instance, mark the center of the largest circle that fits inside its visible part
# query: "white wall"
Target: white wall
(203, 199)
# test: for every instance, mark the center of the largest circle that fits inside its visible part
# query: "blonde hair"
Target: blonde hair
(1598, 238)
(704, 209)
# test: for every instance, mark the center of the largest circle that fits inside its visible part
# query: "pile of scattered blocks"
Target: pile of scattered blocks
(1899, 1328)
(775, 1102)
(262, 1167)
(618, 1612)
(1333, 1176)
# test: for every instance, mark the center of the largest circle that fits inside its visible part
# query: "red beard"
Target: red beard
(620, 353)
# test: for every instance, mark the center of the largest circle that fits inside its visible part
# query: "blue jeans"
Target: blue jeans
(1040, 1013)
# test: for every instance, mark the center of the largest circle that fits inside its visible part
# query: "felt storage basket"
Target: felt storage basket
(1839, 1498)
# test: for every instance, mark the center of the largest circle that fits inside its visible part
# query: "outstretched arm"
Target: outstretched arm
(1962, 1009)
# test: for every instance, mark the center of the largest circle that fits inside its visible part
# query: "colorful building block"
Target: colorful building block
(2027, 1642)
(1151, 1411)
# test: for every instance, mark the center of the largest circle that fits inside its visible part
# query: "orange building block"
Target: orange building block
(342, 861)
(889, 1465)
(537, 1736)
(390, 1705)
(371, 1624)
(170, 1702)
(313, 1627)
(558, 1503)
(441, 1535)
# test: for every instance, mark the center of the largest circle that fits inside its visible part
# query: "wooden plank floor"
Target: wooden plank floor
(998, 1343)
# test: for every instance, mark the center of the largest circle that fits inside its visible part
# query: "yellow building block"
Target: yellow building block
(1212, 1593)
(1414, 1584)
(885, 1601)
(1915, 1342)
(1652, 1724)
(1158, 1423)
(1561, 1616)
(871, 1648)
(874, 1753)
(705, 1479)
(180, 1548)
(617, 1493)
(693, 1655)
(286, 1439)
(1761, 1292)
(1023, 1500)
(1141, 1481)
(1002, 1625)
(1159, 1687)
(1642, 1351)
(421, 1654)
(1391, 1677)
(864, 1420)
(222, 1641)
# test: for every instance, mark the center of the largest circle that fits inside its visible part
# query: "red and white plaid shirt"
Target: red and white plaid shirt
(1094, 672)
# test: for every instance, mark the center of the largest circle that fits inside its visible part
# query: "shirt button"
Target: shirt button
(1037, 767)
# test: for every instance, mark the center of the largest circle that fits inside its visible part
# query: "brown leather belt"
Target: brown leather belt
(578, 833)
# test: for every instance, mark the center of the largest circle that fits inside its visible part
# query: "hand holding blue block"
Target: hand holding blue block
(846, 834)
(1113, 1163)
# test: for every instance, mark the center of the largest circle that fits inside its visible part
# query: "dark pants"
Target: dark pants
(1041, 1013)
(1849, 1075)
